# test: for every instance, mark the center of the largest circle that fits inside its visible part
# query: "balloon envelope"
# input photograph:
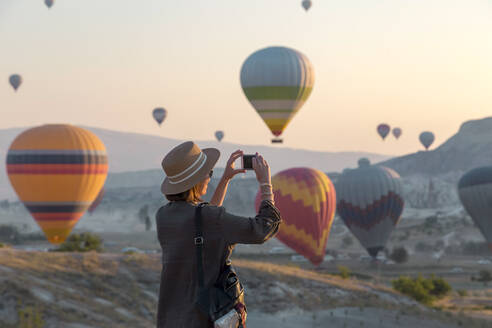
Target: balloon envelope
(397, 133)
(159, 115)
(277, 81)
(383, 130)
(306, 199)
(306, 4)
(96, 201)
(49, 3)
(57, 172)
(370, 203)
(475, 192)
(219, 135)
(426, 139)
(15, 81)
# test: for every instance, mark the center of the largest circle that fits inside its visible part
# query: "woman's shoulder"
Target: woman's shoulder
(212, 210)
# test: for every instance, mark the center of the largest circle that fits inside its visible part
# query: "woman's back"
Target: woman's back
(221, 230)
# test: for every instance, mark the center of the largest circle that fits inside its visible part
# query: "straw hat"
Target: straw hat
(186, 165)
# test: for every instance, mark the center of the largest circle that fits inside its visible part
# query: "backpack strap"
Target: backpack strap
(199, 244)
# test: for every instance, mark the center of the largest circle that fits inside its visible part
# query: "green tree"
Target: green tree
(421, 289)
(344, 272)
(399, 255)
(347, 241)
(143, 216)
(484, 276)
(84, 242)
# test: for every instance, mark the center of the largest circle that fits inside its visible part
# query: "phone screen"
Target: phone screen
(248, 162)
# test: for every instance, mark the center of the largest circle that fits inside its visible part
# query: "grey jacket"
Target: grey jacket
(221, 231)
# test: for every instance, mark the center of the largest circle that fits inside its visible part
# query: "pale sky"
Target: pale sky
(416, 64)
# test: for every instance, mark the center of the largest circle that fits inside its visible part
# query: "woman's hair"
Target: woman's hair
(191, 195)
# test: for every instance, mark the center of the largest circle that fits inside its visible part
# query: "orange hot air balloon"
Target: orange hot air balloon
(96, 201)
(57, 171)
(307, 200)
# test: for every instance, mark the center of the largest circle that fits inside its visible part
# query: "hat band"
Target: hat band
(202, 155)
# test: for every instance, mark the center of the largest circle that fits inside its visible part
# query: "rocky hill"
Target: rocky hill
(470, 147)
(138, 152)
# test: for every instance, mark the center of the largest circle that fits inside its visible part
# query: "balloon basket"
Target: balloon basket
(279, 141)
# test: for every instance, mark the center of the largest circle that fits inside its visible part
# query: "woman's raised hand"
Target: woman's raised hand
(262, 169)
(230, 171)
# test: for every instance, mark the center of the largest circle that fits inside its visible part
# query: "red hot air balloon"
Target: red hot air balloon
(307, 200)
(396, 133)
(383, 130)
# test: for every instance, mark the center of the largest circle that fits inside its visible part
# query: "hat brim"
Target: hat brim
(167, 188)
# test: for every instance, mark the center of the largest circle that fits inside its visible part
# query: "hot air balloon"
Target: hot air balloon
(396, 132)
(475, 192)
(277, 81)
(219, 135)
(159, 114)
(306, 198)
(57, 171)
(96, 201)
(426, 139)
(383, 130)
(49, 3)
(306, 4)
(15, 81)
(370, 203)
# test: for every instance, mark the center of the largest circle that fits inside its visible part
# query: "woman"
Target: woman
(188, 171)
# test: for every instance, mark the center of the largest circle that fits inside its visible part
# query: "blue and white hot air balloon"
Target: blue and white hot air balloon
(370, 203)
(475, 191)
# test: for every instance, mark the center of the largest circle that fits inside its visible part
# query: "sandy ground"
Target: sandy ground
(347, 317)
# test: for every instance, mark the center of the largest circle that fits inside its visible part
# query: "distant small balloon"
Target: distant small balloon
(396, 133)
(15, 81)
(383, 130)
(159, 115)
(49, 3)
(426, 139)
(307, 4)
(219, 135)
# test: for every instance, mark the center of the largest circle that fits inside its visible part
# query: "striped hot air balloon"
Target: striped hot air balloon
(370, 203)
(475, 191)
(96, 201)
(307, 200)
(277, 81)
(57, 171)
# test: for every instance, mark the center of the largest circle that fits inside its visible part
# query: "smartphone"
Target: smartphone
(248, 162)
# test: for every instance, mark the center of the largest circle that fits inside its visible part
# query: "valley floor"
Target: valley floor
(76, 290)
